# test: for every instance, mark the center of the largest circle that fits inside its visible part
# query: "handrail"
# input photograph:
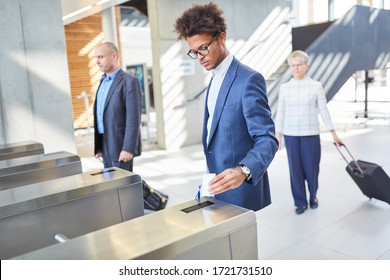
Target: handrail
(190, 100)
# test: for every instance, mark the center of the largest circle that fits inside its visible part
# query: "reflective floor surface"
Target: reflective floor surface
(345, 226)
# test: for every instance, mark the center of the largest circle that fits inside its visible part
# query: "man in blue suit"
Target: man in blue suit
(117, 111)
(238, 132)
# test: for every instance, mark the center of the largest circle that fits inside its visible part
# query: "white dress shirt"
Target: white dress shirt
(219, 74)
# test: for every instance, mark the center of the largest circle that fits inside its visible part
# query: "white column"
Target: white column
(109, 25)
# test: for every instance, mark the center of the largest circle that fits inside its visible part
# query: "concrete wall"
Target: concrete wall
(35, 99)
(178, 78)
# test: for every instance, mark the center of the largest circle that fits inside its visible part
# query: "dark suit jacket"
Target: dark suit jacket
(242, 131)
(122, 119)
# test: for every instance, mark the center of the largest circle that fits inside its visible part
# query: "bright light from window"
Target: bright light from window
(77, 12)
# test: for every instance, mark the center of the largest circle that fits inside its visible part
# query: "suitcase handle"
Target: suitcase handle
(353, 159)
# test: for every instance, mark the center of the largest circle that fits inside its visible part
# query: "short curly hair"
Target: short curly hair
(198, 19)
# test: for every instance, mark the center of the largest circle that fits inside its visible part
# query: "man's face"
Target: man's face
(216, 51)
(104, 59)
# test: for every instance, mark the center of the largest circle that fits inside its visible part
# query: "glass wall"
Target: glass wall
(316, 11)
(306, 12)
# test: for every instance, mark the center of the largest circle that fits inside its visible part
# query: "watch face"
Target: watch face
(245, 170)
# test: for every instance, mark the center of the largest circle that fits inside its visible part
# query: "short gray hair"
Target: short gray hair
(301, 55)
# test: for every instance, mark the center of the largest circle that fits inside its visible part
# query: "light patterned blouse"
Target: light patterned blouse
(300, 102)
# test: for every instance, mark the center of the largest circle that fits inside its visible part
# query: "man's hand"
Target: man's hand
(98, 155)
(125, 156)
(229, 179)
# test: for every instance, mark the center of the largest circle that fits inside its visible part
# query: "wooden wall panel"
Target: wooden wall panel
(82, 37)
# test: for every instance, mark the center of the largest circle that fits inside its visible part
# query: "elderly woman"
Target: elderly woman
(300, 101)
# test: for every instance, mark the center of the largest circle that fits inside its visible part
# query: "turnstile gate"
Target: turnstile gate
(210, 229)
(31, 216)
(36, 168)
(20, 149)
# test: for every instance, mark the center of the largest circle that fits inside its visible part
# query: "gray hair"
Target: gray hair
(301, 55)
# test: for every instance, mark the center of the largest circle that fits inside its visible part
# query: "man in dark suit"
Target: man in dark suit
(117, 111)
(238, 132)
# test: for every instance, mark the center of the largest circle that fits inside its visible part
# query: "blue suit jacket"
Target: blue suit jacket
(242, 131)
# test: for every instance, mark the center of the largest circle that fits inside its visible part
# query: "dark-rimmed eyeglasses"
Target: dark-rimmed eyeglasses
(203, 51)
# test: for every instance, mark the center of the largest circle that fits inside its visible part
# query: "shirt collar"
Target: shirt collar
(221, 69)
(110, 77)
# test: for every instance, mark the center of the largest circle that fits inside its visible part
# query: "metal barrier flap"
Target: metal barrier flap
(27, 198)
(161, 235)
(33, 162)
(20, 149)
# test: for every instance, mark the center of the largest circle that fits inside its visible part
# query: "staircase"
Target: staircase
(360, 40)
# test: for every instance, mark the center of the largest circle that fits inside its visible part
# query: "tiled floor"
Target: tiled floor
(346, 225)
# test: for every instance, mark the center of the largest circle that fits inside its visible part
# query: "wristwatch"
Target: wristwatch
(245, 170)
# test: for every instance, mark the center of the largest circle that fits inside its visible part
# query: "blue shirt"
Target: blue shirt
(102, 97)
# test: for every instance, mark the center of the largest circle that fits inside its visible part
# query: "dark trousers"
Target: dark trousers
(109, 162)
(304, 155)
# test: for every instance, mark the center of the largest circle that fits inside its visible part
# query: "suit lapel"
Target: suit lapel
(222, 96)
(117, 80)
(206, 116)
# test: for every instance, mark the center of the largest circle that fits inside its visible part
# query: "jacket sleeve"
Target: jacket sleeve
(260, 126)
(132, 101)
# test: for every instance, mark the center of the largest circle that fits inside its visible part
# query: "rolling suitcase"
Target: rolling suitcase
(370, 177)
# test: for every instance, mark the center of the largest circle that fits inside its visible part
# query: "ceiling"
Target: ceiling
(73, 10)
